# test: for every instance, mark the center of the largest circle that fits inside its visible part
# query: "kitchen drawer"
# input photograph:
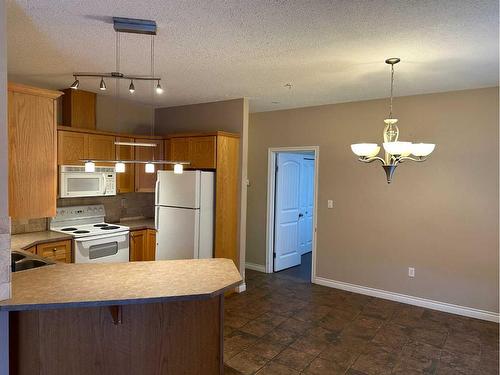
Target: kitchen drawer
(59, 251)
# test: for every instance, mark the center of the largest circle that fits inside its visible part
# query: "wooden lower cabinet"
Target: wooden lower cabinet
(142, 245)
(168, 338)
(59, 251)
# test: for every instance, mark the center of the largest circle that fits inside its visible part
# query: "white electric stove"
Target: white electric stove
(94, 241)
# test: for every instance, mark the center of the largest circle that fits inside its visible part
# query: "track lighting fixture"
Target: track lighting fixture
(159, 90)
(126, 25)
(102, 85)
(75, 84)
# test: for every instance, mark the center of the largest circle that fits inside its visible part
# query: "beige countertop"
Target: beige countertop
(102, 284)
(26, 240)
(138, 224)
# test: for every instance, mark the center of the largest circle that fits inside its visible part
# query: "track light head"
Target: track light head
(131, 88)
(75, 84)
(102, 85)
(159, 90)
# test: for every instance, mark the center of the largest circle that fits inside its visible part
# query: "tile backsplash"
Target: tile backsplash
(117, 207)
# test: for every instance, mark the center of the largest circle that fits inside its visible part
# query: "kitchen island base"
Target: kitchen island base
(178, 337)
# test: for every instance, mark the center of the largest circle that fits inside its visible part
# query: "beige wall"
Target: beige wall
(119, 115)
(229, 115)
(4, 198)
(440, 217)
(123, 116)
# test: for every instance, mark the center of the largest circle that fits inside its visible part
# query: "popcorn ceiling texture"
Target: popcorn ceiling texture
(330, 51)
(135, 205)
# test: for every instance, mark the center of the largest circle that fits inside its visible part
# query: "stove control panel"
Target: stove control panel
(79, 212)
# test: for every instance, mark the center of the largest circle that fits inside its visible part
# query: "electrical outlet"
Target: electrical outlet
(330, 203)
(123, 203)
(411, 272)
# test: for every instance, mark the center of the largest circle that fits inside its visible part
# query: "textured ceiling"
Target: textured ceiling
(330, 51)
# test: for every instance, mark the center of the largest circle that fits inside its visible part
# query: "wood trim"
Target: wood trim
(202, 134)
(30, 90)
(145, 136)
(103, 132)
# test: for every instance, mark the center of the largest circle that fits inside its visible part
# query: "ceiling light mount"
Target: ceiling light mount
(392, 60)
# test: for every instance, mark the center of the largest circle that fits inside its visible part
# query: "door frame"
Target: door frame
(271, 191)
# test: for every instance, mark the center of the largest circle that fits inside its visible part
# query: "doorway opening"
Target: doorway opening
(292, 211)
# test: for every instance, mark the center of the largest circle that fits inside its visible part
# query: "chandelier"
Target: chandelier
(125, 25)
(396, 151)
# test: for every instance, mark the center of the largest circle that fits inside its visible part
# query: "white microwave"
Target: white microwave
(75, 182)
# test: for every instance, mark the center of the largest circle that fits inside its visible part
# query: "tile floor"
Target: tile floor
(285, 325)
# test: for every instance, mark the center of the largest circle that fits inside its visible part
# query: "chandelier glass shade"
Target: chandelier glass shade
(396, 151)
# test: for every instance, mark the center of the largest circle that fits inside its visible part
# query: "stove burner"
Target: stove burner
(110, 227)
(100, 225)
(81, 231)
(68, 229)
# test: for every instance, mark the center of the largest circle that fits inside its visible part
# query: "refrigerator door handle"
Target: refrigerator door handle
(157, 218)
(157, 190)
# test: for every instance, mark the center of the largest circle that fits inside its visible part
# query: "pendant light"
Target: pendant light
(131, 88)
(75, 84)
(149, 168)
(159, 90)
(120, 167)
(395, 151)
(89, 166)
(178, 168)
(102, 85)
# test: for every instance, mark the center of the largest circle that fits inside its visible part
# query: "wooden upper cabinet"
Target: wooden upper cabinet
(145, 182)
(101, 147)
(32, 139)
(202, 152)
(78, 109)
(72, 147)
(179, 149)
(125, 181)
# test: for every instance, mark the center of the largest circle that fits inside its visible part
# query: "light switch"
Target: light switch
(330, 203)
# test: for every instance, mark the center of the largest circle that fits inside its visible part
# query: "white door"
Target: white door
(306, 204)
(177, 234)
(178, 190)
(287, 209)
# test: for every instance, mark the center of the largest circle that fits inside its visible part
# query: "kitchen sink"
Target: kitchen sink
(16, 257)
(21, 262)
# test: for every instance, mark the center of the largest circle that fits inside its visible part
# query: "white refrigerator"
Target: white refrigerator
(184, 215)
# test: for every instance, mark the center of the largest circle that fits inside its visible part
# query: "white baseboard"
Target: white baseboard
(241, 288)
(417, 301)
(255, 267)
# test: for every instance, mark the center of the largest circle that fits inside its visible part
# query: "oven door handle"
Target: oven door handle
(101, 236)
